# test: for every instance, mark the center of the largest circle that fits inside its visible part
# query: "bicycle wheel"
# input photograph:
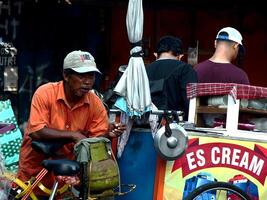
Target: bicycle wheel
(218, 191)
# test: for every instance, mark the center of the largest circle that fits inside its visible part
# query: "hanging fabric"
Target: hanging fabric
(133, 87)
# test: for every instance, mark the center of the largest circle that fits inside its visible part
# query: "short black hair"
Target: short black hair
(71, 72)
(170, 43)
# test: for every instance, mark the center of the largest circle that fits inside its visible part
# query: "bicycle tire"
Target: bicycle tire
(12, 195)
(216, 186)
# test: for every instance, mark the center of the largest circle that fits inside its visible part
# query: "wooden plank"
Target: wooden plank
(214, 109)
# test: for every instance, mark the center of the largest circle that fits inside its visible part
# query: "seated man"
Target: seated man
(65, 110)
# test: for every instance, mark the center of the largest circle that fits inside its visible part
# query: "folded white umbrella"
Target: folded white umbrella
(133, 87)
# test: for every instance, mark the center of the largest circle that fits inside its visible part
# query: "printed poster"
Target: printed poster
(207, 159)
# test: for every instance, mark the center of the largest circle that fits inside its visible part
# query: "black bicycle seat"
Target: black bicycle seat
(62, 167)
(48, 148)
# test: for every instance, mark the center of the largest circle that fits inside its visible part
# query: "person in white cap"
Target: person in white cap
(64, 110)
(220, 68)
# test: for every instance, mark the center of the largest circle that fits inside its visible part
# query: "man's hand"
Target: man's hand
(70, 180)
(77, 136)
(116, 129)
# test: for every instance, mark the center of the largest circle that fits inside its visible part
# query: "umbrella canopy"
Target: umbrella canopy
(133, 87)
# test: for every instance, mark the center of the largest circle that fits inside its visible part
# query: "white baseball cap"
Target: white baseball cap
(80, 61)
(230, 34)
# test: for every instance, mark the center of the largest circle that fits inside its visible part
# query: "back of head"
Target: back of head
(229, 34)
(170, 43)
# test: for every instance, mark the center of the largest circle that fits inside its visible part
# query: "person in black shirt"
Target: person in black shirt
(168, 76)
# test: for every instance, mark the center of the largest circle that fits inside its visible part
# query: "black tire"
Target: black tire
(217, 186)
(12, 194)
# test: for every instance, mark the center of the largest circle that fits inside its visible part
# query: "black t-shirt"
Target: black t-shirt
(176, 75)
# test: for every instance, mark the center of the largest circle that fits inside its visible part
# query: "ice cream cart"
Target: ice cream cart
(231, 149)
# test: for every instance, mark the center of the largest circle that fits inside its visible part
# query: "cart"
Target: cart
(225, 153)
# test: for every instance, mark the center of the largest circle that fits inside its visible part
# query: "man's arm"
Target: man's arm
(115, 130)
(53, 134)
(40, 118)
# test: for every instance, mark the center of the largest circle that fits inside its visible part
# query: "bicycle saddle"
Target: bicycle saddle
(48, 148)
(59, 167)
(62, 167)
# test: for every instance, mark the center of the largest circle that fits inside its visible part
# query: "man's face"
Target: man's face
(80, 83)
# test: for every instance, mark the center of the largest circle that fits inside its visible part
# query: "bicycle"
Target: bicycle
(60, 167)
(218, 191)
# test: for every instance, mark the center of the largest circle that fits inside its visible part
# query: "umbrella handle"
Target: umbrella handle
(168, 131)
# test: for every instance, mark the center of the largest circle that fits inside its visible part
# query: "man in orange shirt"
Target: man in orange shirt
(65, 110)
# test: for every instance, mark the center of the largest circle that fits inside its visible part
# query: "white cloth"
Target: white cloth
(135, 20)
(154, 121)
(125, 119)
(123, 139)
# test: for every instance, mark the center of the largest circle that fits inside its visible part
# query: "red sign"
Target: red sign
(208, 155)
